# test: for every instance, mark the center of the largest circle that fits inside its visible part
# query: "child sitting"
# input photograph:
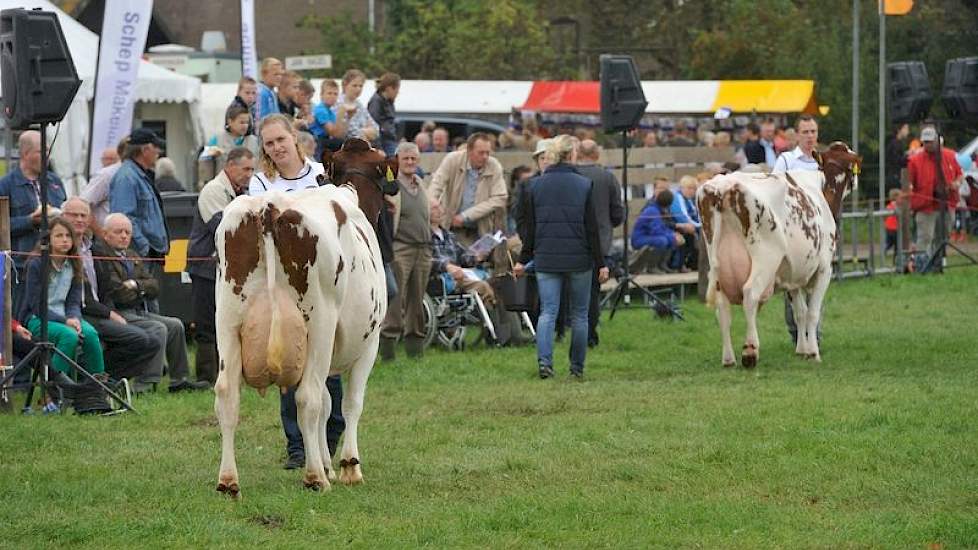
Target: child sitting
(235, 134)
(66, 327)
(326, 128)
(654, 236)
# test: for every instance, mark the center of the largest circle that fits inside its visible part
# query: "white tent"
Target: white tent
(160, 95)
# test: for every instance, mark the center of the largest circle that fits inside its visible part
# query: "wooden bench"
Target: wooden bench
(656, 280)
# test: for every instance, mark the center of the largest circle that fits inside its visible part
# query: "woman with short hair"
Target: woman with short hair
(560, 237)
(359, 123)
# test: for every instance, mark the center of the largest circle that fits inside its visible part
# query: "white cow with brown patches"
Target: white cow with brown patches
(767, 231)
(300, 296)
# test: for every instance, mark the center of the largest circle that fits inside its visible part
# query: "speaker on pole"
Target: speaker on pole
(622, 99)
(909, 91)
(38, 76)
(960, 95)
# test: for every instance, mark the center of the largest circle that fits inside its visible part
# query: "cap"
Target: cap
(142, 136)
(542, 146)
(928, 134)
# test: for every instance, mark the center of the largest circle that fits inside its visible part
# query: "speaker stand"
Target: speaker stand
(624, 277)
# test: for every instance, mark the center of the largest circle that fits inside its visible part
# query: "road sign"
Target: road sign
(308, 62)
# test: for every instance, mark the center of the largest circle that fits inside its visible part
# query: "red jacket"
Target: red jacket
(923, 179)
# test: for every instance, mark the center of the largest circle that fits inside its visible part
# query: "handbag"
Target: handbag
(516, 293)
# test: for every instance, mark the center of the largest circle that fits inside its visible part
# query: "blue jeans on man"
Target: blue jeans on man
(549, 286)
(334, 425)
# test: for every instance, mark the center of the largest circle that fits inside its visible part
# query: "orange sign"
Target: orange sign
(897, 7)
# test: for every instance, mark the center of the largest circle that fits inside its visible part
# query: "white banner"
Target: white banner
(249, 55)
(124, 29)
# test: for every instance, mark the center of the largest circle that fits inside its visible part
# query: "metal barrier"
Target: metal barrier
(861, 249)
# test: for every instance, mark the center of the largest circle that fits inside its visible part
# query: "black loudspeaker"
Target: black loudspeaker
(909, 91)
(622, 99)
(960, 96)
(39, 79)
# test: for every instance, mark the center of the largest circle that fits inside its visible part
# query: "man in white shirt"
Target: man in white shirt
(802, 156)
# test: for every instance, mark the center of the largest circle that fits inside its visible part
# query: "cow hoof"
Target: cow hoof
(350, 472)
(331, 474)
(229, 489)
(315, 483)
(729, 363)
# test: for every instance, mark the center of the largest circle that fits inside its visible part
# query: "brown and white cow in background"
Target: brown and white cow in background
(767, 231)
(301, 294)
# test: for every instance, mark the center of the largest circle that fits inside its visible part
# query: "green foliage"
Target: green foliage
(660, 447)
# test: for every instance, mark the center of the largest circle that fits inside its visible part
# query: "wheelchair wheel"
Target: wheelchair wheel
(452, 338)
(430, 320)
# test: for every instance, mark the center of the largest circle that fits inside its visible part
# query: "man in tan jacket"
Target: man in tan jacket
(470, 186)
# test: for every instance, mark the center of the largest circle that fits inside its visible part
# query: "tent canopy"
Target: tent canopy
(681, 97)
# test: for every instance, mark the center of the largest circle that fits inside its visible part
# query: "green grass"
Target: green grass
(660, 447)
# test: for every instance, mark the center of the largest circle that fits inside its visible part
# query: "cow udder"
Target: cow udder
(273, 341)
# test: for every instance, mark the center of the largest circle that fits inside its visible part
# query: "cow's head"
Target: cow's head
(840, 164)
(367, 170)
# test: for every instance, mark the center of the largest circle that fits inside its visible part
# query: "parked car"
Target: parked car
(409, 125)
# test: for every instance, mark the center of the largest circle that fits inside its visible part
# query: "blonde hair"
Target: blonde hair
(352, 74)
(688, 181)
(267, 64)
(561, 148)
(267, 165)
(165, 167)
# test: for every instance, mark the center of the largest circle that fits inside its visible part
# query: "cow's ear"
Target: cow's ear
(818, 159)
(327, 160)
(389, 168)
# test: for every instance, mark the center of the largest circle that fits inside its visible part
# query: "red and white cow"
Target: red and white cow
(301, 294)
(767, 231)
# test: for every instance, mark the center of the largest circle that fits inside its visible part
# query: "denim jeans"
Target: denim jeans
(334, 425)
(549, 286)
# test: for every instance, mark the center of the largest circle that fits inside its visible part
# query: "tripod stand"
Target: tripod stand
(936, 262)
(625, 281)
(43, 348)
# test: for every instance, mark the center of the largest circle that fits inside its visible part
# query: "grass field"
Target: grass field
(660, 447)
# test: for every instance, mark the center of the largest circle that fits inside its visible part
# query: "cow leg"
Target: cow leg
(814, 316)
(754, 292)
(723, 318)
(312, 402)
(350, 473)
(799, 308)
(227, 403)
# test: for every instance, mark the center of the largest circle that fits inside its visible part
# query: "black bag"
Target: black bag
(516, 293)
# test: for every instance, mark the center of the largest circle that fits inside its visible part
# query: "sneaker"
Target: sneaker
(546, 372)
(577, 375)
(294, 462)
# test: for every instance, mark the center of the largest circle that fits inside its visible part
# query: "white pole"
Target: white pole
(371, 21)
(855, 75)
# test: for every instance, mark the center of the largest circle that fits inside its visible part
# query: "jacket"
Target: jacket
(923, 180)
(132, 193)
(560, 232)
(382, 111)
(267, 103)
(24, 201)
(395, 202)
(32, 296)
(651, 230)
(448, 183)
(213, 199)
(754, 152)
(112, 273)
(606, 195)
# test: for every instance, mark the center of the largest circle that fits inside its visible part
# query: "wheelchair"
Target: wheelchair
(448, 312)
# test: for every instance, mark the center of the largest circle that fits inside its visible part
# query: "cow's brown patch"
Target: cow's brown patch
(710, 201)
(222, 364)
(803, 212)
(363, 237)
(296, 248)
(242, 251)
(738, 204)
(340, 215)
(339, 269)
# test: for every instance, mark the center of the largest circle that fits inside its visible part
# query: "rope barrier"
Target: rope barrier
(140, 258)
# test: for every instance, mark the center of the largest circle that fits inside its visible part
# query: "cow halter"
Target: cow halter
(386, 183)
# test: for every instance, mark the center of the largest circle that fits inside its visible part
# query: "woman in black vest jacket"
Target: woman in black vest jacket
(560, 237)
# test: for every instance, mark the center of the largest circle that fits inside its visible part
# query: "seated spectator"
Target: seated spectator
(166, 176)
(66, 328)
(125, 284)
(652, 238)
(286, 94)
(687, 217)
(304, 90)
(96, 193)
(352, 112)
(247, 99)
(449, 260)
(721, 139)
(130, 351)
(235, 134)
(325, 127)
(650, 139)
(680, 137)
